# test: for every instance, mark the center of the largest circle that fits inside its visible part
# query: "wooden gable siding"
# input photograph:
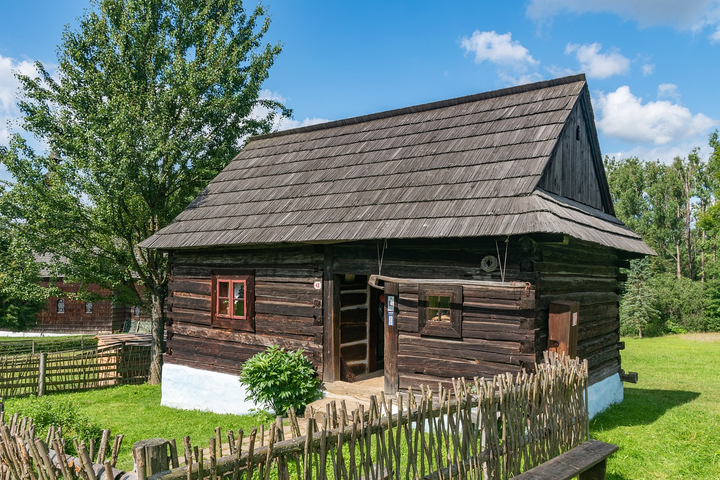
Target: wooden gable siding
(288, 309)
(589, 274)
(571, 171)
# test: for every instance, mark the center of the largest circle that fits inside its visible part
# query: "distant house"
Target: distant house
(65, 314)
(472, 215)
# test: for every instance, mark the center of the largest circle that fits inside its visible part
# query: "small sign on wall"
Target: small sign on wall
(391, 310)
(317, 285)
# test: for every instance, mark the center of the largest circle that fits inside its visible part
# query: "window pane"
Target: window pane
(239, 310)
(239, 290)
(223, 289)
(223, 306)
(88, 307)
(61, 306)
(439, 308)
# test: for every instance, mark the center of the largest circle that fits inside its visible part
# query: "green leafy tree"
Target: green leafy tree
(151, 100)
(22, 298)
(637, 308)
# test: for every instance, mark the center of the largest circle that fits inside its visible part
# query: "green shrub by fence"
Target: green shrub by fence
(72, 371)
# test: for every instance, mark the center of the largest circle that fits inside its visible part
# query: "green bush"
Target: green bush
(680, 302)
(59, 412)
(638, 308)
(279, 380)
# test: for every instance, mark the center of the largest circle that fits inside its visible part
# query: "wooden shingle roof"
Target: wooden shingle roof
(459, 168)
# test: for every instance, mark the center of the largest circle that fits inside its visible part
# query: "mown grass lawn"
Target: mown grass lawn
(135, 411)
(668, 426)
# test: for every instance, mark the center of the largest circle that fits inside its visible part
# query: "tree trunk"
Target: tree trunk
(678, 270)
(639, 332)
(158, 337)
(702, 259)
(688, 232)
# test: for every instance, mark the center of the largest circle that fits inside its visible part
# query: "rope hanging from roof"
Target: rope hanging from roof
(381, 256)
(503, 264)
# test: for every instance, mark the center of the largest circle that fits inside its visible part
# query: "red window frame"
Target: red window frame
(225, 317)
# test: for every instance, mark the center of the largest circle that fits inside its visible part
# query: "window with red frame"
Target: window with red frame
(233, 302)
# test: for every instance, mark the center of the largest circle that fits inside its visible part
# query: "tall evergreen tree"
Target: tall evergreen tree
(637, 308)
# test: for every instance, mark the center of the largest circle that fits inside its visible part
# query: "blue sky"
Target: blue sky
(653, 66)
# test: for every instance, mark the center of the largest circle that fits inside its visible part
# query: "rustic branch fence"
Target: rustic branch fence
(46, 344)
(70, 371)
(24, 456)
(484, 429)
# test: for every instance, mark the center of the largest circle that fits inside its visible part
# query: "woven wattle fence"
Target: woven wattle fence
(73, 371)
(481, 429)
(484, 429)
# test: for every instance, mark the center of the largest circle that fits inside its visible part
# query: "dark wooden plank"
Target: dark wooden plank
(331, 318)
(572, 463)
(187, 302)
(194, 317)
(356, 352)
(436, 348)
(289, 309)
(391, 343)
(452, 368)
(193, 286)
(210, 335)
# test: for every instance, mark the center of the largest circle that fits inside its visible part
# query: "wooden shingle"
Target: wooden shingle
(463, 167)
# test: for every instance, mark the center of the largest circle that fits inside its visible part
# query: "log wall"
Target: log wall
(503, 328)
(75, 319)
(589, 274)
(498, 327)
(288, 308)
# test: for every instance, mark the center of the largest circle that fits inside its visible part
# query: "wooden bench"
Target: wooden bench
(587, 461)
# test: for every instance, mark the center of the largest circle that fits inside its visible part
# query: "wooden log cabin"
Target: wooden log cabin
(66, 314)
(428, 242)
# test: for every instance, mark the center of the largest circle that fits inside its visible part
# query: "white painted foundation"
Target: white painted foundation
(194, 389)
(604, 393)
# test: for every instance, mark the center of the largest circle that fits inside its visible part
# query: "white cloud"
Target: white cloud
(668, 90)
(282, 123)
(665, 154)
(683, 14)
(8, 91)
(511, 58)
(648, 69)
(623, 115)
(499, 49)
(288, 123)
(715, 37)
(596, 64)
(520, 79)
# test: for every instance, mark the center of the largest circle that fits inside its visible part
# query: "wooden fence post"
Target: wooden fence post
(151, 457)
(41, 375)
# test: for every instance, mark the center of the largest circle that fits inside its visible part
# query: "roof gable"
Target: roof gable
(575, 170)
(461, 167)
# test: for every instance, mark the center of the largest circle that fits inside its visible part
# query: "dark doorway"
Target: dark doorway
(361, 326)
